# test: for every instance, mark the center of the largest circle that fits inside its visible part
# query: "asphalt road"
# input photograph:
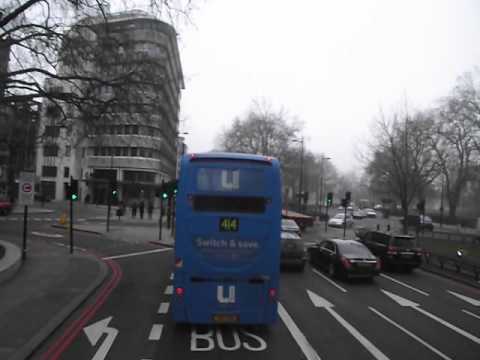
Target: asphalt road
(398, 316)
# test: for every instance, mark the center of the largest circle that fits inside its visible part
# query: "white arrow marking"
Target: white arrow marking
(403, 284)
(409, 333)
(94, 333)
(471, 314)
(469, 300)
(301, 340)
(329, 280)
(323, 303)
(404, 302)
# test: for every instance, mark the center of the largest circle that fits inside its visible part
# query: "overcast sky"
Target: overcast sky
(332, 64)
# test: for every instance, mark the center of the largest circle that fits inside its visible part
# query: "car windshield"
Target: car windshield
(403, 241)
(353, 249)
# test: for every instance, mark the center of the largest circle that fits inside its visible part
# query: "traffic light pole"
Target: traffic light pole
(160, 220)
(109, 204)
(71, 224)
(326, 217)
(345, 221)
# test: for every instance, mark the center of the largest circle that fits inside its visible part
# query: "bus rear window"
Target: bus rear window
(230, 180)
(238, 204)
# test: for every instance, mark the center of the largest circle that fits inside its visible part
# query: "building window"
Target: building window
(134, 129)
(125, 151)
(142, 152)
(49, 171)
(66, 172)
(127, 129)
(151, 131)
(103, 151)
(50, 150)
(134, 151)
(52, 131)
(68, 150)
(118, 151)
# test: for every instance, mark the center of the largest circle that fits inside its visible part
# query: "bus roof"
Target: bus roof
(231, 156)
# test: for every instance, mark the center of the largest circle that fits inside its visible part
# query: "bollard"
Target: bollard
(378, 227)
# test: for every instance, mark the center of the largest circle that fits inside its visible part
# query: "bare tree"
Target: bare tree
(403, 161)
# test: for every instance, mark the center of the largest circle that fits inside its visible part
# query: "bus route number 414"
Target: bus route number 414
(229, 224)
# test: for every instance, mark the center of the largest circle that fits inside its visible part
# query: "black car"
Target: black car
(394, 250)
(293, 252)
(345, 258)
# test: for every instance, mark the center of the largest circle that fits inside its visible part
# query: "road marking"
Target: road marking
(471, 314)
(301, 340)
(68, 246)
(318, 301)
(155, 332)
(135, 254)
(329, 280)
(407, 303)
(94, 333)
(37, 219)
(13, 218)
(47, 234)
(169, 290)
(403, 284)
(163, 309)
(410, 334)
(467, 299)
(48, 219)
(171, 276)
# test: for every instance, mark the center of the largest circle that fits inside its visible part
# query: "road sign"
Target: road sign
(26, 183)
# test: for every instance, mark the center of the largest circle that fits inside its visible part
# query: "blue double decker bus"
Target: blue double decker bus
(227, 245)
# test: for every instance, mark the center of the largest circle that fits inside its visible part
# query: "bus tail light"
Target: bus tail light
(179, 291)
(178, 263)
(272, 293)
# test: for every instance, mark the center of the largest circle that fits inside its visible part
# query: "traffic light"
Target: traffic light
(348, 196)
(329, 199)
(73, 189)
(344, 203)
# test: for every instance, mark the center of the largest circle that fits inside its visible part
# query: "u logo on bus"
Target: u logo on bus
(230, 298)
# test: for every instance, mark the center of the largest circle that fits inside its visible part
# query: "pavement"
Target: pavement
(51, 284)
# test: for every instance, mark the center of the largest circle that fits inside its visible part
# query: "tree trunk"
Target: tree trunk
(405, 216)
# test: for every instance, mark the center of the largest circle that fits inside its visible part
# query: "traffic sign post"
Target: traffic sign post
(25, 198)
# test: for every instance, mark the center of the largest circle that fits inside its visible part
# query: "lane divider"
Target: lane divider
(56, 350)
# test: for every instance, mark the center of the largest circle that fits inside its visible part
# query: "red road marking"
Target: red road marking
(56, 350)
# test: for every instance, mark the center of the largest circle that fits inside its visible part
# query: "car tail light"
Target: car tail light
(272, 293)
(346, 263)
(179, 291)
(378, 264)
(178, 263)
(392, 250)
(419, 251)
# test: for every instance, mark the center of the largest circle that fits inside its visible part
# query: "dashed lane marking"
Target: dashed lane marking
(56, 236)
(171, 276)
(471, 314)
(163, 309)
(136, 254)
(169, 290)
(409, 333)
(156, 332)
(404, 284)
(329, 280)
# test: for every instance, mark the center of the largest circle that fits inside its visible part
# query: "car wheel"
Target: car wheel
(331, 271)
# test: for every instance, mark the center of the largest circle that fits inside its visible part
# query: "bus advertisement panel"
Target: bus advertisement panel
(227, 245)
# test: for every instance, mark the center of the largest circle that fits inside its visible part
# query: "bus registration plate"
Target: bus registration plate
(225, 318)
(229, 224)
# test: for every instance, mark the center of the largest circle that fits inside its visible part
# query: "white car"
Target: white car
(370, 213)
(339, 219)
(289, 225)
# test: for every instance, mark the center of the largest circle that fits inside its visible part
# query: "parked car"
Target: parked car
(6, 206)
(293, 253)
(289, 225)
(346, 258)
(359, 214)
(370, 213)
(393, 249)
(378, 207)
(419, 222)
(339, 219)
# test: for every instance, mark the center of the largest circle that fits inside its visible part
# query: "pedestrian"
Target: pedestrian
(150, 209)
(141, 207)
(134, 209)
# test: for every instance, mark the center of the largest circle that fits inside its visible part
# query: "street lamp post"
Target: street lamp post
(322, 179)
(300, 190)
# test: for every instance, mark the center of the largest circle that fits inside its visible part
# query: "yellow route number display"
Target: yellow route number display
(229, 224)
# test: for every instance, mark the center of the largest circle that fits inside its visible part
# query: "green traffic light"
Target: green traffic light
(164, 195)
(114, 192)
(74, 197)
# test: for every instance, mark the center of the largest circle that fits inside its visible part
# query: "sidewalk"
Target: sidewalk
(130, 231)
(47, 288)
